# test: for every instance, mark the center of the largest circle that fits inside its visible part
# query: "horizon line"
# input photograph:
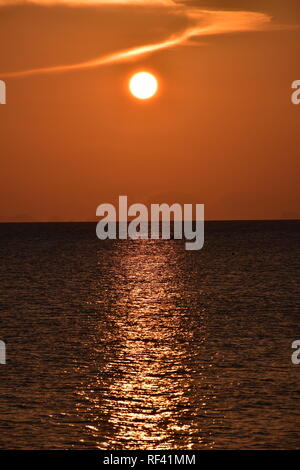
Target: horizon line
(128, 221)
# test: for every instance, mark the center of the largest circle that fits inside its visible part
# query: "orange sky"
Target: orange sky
(222, 131)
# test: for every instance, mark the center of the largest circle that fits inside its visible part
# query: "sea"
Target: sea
(140, 344)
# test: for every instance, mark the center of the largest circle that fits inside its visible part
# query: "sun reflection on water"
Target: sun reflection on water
(143, 395)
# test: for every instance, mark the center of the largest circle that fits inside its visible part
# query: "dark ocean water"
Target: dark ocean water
(143, 345)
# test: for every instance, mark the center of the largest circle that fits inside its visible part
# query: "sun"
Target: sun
(143, 85)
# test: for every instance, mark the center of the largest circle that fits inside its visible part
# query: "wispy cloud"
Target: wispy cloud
(87, 2)
(201, 23)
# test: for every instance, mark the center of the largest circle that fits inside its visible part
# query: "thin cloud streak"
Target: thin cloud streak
(205, 23)
(87, 2)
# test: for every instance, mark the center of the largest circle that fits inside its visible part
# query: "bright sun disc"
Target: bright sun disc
(143, 85)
